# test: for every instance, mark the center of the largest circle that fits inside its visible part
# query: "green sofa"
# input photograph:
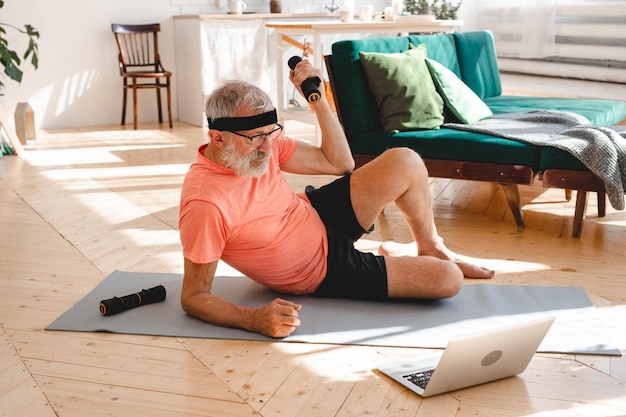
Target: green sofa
(451, 153)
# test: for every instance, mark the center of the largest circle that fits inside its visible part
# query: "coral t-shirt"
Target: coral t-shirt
(258, 225)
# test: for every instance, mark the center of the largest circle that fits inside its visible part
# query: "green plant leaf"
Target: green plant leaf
(9, 59)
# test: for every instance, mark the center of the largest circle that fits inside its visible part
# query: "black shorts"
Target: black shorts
(350, 273)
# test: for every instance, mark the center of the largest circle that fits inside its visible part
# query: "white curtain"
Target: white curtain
(524, 28)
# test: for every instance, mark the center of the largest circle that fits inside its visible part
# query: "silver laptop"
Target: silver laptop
(472, 360)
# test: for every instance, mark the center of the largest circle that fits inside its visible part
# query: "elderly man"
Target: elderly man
(236, 206)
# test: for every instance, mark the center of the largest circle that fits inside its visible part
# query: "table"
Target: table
(316, 29)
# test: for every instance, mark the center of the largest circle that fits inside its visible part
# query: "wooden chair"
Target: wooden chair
(140, 65)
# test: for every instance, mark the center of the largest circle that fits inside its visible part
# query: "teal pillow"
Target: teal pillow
(459, 99)
(403, 89)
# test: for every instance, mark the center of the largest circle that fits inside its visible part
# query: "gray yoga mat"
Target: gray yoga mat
(426, 324)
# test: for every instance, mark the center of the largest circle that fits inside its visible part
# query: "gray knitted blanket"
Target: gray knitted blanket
(601, 149)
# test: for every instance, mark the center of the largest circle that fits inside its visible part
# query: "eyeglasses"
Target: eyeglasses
(258, 140)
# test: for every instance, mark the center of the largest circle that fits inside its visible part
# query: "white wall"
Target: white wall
(78, 83)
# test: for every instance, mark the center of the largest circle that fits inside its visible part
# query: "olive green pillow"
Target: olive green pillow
(403, 89)
(459, 99)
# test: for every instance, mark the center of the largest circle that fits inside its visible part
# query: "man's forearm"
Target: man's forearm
(334, 143)
(218, 311)
(336, 157)
(277, 319)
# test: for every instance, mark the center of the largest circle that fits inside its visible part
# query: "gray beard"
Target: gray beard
(245, 165)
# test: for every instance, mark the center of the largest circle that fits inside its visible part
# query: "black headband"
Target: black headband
(229, 124)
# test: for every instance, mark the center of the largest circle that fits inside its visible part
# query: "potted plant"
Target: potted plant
(10, 59)
(441, 9)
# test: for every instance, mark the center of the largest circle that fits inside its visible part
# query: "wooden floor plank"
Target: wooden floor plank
(144, 375)
(374, 394)
(115, 351)
(20, 396)
(72, 398)
(443, 405)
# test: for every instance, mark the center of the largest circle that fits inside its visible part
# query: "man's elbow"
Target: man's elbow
(186, 302)
(185, 305)
(350, 164)
(346, 166)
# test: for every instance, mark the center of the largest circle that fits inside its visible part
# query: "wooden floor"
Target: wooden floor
(83, 202)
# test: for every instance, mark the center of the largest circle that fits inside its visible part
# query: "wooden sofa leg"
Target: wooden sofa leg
(579, 213)
(511, 191)
(601, 204)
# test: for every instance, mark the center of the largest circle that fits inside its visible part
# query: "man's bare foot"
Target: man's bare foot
(469, 266)
(471, 269)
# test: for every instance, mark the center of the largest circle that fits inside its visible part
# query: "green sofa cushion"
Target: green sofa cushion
(404, 89)
(450, 144)
(441, 48)
(462, 102)
(476, 53)
(554, 158)
(359, 111)
(598, 112)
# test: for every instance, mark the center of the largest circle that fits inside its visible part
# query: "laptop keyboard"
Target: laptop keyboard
(419, 378)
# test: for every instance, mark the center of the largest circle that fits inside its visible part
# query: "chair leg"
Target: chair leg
(169, 103)
(579, 213)
(159, 107)
(124, 103)
(511, 191)
(134, 103)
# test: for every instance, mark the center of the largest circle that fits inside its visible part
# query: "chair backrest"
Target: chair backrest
(138, 46)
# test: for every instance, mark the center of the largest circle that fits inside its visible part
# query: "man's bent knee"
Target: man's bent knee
(402, 154)
(451, 280)
(405, 160)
